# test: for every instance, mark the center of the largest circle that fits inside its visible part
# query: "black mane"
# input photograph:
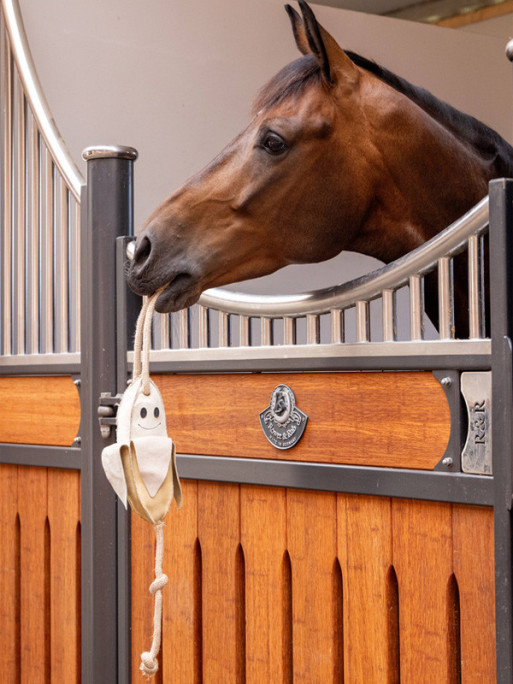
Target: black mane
(296, 76)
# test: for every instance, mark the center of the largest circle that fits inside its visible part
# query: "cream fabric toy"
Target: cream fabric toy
(141, 465)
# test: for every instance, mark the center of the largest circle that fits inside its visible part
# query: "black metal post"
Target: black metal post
(501, 288)
(106, 214)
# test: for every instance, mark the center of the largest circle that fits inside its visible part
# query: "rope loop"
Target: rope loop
(158, 583)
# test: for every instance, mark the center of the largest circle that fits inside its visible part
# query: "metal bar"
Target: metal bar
(6, 204)
(203, 327)
(184, 332)
(62, 282)
(289, 330)
(362, 322)
(313, 329)
(445, 299)
(20, 213)
(42, 456)
(106, 210)
(33, 243)
(501, 310)
(46, 270)
(476, 290)
(244, 331)
(416, 308)
(337, 326)
(224, 329)
(75, 275)
(266, 332)
(388, 313)
(414, 484)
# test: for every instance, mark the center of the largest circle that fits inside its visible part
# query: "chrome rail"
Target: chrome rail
(40, 188)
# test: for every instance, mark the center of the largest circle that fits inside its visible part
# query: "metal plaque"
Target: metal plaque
(476, 389)
(282, 422)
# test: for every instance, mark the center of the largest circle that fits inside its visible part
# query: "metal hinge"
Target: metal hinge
(107, 412)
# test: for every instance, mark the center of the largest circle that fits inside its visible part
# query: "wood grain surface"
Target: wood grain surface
(375, 419)
(39, 410)
(39, 575)
(276, 585)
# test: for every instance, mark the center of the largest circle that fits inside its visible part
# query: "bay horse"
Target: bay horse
(341, 154)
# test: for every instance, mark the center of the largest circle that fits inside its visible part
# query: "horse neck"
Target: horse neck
(423, 178)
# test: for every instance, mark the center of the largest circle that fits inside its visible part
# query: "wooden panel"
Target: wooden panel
(264, 540)
(219, 534)
(422, 551)
(34, 576)
(181, 645)
(9, 575)
(311, 535)
(63, 515)
(365, 550)
(474, 568)
(39, 410)
(375, 419)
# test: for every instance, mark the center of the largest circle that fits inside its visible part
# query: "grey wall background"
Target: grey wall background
(176, 78)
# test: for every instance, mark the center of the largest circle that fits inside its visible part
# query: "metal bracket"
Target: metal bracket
(449, 380)
(107, 412)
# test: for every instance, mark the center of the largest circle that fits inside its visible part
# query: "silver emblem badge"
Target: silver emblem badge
(282, 422)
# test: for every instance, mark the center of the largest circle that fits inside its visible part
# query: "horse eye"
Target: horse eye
(274, 144)
(156, 412)
(143, 412)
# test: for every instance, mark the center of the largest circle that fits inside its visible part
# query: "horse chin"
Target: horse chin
(182, 292)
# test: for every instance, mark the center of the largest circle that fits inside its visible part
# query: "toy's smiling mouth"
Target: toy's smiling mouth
(149, 428)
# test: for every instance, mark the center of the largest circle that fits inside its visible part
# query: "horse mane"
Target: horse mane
(294, 78)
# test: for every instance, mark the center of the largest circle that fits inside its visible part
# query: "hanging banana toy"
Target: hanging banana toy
(141, 465)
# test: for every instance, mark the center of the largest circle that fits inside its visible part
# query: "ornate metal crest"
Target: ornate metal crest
(282, 422)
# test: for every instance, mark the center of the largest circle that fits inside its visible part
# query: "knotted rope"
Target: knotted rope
(149, 664)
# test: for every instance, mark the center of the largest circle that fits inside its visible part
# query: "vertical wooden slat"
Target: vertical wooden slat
(9, 612)
(422, 553)
(474, 571)
(143, 574)
(263, 534)
(63, 515)
(181, 622)
(365, 549)
(219, 535)
(32, 497)
(311, 534)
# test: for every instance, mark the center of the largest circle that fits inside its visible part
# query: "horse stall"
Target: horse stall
(375, 549)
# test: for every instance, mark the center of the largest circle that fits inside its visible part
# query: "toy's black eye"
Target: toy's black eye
(144, 412)
(156, 412)
(274, 144)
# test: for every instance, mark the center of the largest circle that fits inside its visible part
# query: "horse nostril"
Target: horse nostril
(142, 251)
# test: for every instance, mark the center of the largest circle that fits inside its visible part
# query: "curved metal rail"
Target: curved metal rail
(392, 276)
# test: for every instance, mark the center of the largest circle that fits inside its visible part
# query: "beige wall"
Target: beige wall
(175, 78)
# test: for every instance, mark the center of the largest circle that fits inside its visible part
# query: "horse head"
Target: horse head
(278, 193)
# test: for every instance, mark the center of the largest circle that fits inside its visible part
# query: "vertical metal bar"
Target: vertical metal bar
(389, 317)
(33, 243)
(46, 269)
(501, 310)
(289, 330)
(62, 284)
(184, 332)
(476, 293)
(75, 276)
(6, 204)
(224, 329)
(337, 326)
(244, 331)
(266, 332)
(445, 299)
(19, 226)
(203, 327)
(313, 329)
(416, 308)
(362, 322)
(106, 207)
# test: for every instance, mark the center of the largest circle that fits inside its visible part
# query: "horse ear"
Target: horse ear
(298, 29)
(331, 58)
